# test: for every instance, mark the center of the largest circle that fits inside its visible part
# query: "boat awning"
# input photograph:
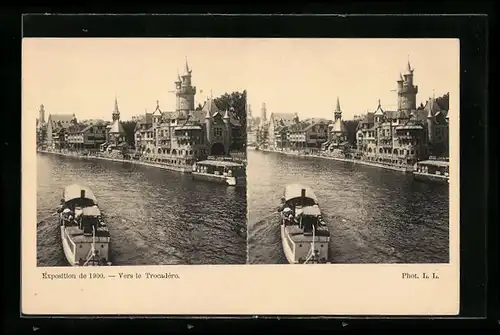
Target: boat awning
(434, 163)
(293, 191)
(76, 191)
(190, 127)
(309, 210)
(219, 163)
(91, 211)
(409, 127)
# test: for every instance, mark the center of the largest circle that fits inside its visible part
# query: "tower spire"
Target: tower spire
(116, 110)
(410, 70)
(337, 109)
(187, 71)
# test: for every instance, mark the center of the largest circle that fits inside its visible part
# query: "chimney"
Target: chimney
(82, 194)
(302, 196)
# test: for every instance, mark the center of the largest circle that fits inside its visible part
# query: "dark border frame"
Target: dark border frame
(476, 180)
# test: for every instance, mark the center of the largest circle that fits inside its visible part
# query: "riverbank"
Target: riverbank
(340, 159)
(119, 160)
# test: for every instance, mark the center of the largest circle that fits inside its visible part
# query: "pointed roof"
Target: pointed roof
(338, 126)
(400, 77)
(210, 108)
(178, 77)
(226, 114)
(60, 120)
(116, 110)
(432, 107)
(379, 111)
(337, 109)
(286, 117)
(117, 128)
(157, 109)
(408, 69)
(187, 71)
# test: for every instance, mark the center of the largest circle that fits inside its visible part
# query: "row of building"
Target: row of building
(400, 137)
(179, 137)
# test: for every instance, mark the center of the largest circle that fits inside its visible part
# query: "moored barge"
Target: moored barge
(224, 171)
(432, 170)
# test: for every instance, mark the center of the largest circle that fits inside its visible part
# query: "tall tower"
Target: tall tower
(185, 93)
(337, 114)
(41, 115)
(431, 119)
(227, 124)
(116, 112)
(263, 112)
(407, 92)
(208, 122)
(178, 83)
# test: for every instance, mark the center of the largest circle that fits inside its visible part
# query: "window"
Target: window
(217, 132)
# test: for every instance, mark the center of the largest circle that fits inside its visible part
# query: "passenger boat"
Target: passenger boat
(432, 170)
(85, 236)
(304, 234)
(225, 171)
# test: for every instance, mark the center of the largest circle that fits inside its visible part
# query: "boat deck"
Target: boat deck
(76, 234)
(297, 234)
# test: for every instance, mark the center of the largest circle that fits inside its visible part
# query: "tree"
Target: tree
(351, 127)
(200, 107)
(235, 103)
(129, 128)
(444, 101)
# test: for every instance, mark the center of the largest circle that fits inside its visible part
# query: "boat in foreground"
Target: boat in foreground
(432, 170)
(225, 171)
(304, 234)
(85, 236)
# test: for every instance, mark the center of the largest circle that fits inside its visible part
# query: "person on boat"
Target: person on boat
(61, 206)
(287, 214)
(297, 219)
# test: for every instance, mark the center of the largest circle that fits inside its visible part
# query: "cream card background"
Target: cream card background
(373, 289)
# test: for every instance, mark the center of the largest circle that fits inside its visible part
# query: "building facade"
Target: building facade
(278, 128)
(309, 133)
(86, 135)
(337, 132)
(41, 128)
(57, 130)
(186, 135)
(115, 134)
(405, 136)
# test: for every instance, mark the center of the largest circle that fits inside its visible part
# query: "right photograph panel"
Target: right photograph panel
(348, 150)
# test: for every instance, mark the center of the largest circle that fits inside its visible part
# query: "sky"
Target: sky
(82, 75)
(303, 76)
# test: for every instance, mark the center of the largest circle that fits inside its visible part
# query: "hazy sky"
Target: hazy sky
(82, 76)
(305, 76)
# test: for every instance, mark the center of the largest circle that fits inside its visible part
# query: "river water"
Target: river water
(155, 216)
(374, 215)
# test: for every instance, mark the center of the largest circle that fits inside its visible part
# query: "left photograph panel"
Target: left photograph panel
(140, 151)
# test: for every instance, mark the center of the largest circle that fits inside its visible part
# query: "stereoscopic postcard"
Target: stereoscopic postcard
(240, 176)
